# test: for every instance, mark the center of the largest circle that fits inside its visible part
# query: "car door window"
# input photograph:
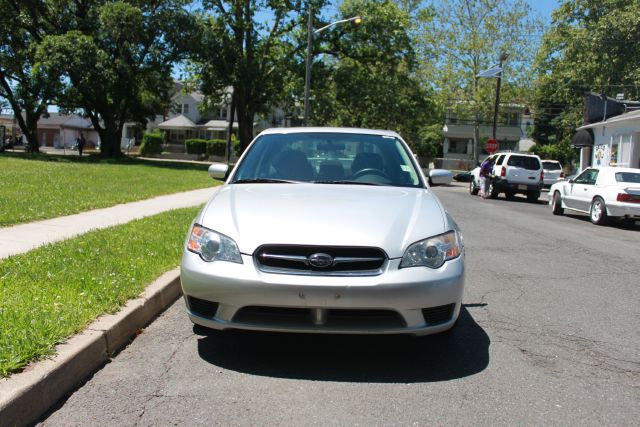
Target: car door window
(500, 160)
(587, 177)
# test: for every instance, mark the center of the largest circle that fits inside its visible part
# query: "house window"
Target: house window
(620, 151)
(185, 109)
(222, 112)
(458, 146)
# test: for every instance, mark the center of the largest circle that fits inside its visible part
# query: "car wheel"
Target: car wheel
(556, 204)
(509, 195)
(493, 191)
(473, 190)
(598, 212)
(533, 196)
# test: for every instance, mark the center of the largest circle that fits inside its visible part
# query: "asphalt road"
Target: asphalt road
(549, 335)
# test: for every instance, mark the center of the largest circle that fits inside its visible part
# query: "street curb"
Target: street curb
(26, 396)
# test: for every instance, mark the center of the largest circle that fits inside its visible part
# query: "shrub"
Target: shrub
(196, 146)
(151, 143)
(216, 147)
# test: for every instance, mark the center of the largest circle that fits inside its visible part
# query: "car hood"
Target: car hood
(390, 218)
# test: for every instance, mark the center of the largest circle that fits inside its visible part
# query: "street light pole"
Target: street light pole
(307, 78)
(503, 58)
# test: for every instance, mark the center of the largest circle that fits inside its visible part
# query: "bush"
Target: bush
(210, 147)
(196, 146)
(151, 143)
(216, 147)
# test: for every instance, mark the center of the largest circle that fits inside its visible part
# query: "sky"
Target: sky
(544, 7)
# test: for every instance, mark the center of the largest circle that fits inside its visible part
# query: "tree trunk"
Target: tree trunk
(110, 136)
(245, 123)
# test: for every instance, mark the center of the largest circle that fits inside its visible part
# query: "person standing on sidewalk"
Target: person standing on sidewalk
(486, 174)
(81, 143)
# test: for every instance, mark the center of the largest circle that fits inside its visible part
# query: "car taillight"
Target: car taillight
(542, 175)
(561, 175)
(624, 197)
(503, 171)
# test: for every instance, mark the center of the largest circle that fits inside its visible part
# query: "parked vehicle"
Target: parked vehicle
(463, 176)
(602, 192)
(552, 172)
(513, 173)
(324, 230)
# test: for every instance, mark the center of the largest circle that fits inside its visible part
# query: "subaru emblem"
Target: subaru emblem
(320, 260)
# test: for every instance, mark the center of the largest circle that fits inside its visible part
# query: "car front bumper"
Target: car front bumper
(242, 297)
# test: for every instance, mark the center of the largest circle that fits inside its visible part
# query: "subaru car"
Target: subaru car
(325, 230)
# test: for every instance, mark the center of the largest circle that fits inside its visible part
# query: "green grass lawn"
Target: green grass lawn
(53, 292)
(36, 187)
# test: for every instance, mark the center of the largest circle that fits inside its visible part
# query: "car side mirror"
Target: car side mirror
(440, 177)
(219, 171)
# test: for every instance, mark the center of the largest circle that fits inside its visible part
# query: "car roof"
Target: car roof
(515, 153)
(380, 132)
(614, 169)
(550, 161)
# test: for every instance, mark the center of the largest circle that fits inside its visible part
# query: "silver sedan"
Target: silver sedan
(327, 230)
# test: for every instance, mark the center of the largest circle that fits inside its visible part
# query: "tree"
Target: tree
(236, 49)
(115, 61)
(461, 38)
(592, 45)
(24, 24)
(365, 74)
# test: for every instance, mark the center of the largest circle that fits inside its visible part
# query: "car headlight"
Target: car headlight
(433, 252)
(212, 246)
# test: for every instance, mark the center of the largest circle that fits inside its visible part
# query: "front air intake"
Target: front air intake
(439, 314)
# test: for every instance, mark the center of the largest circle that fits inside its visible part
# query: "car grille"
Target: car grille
(339, 260)
(439, 314)
(335, 318)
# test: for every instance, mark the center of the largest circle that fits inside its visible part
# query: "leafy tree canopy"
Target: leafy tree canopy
(461, 38)
(115, 61)
(592, 45)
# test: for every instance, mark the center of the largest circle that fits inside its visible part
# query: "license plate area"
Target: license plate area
(522, 187)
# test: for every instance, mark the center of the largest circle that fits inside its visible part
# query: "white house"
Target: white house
(612, 142)
(184, 120)
(513, 127)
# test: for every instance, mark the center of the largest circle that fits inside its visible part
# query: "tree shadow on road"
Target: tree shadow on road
(352, 358)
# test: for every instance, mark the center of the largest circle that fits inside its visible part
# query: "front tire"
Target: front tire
(556, 204)
(473, 190)
(598, 212)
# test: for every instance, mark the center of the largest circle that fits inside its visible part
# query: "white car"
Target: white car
(602, 192)
(513, 173)
(552, 172)
(328, 230)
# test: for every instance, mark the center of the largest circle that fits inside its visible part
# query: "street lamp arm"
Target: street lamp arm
(319, 30)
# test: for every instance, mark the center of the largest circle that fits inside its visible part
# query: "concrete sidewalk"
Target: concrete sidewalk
(22, 238)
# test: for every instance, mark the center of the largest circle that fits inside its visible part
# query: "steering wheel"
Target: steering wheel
(369, 171)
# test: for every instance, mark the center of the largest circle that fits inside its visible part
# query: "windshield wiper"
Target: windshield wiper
(263, 181)
(348, 182)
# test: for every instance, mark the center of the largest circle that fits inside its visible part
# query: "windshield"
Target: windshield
(526, 162)
(551, 166)
(330, 158)
(633, 177)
